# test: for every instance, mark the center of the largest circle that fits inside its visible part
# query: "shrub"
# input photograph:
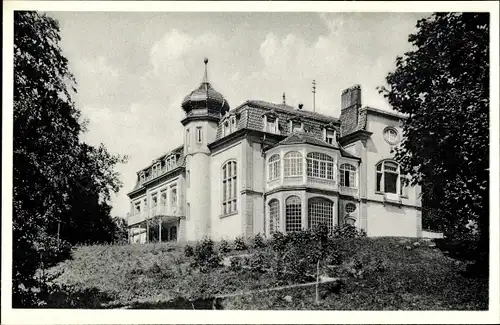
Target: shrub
(188, 251)
(239, 244)
(258, 241)
(205, 257)
(224, 246)
(348, 231)
(235, 263)
(279, 241)
(258, 262)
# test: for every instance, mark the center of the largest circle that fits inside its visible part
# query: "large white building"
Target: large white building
(264, 167)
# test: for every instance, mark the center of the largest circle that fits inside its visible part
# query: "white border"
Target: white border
(10, 316)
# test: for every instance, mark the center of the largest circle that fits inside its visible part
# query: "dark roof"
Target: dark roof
(292, 110)
(205, 96)
(250, 116)
(301, 137)
(383, 112)
(305, 138)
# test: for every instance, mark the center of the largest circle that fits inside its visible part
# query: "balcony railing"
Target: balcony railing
(309, 181)
(159, 210)
(348, 191)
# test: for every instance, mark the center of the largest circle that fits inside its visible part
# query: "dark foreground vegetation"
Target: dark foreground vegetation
(374, 274)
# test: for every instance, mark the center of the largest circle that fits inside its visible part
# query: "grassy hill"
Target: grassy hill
(377, 273)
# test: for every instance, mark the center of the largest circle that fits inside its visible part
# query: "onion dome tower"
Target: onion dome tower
(204, 107)
(205, 100)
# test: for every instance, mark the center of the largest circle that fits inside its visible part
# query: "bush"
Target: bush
(348, 231)
(188, 251)
(258, 241)
(205, 257)
(239, 244)
(279, 241)
(235, 263)
(258, 262)
(224, 246)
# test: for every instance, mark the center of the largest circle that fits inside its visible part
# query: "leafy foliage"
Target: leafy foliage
(239, 244)
(348, 231)
(443, 87)
(188, 250)
(61, 187)
(224, 246)
(205, 256)
(258, 241)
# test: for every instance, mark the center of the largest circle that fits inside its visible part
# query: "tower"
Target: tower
(204, 107)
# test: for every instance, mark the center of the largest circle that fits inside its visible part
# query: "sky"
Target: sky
(134, 68)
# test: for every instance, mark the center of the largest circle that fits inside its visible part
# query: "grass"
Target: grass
(392, 274)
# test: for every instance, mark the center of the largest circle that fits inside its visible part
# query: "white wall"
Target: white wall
(391, 220)
(225, 226)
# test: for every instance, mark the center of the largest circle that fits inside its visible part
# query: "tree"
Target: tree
(442, 85)
(54, 174)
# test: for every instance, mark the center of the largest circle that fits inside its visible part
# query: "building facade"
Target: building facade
(264, 167)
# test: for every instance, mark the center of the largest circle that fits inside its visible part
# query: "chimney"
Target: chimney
(349, 109)
(351, 97)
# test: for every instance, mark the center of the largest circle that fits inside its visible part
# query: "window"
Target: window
(348, 175)
(274, 167)
(154, 199)
(188, 178)
(330, 137)
(293, 214)
(320, 165)
(387, 177)
(233, 123)
(142, 177)
(391, 135)
(188, 210)
(198, 134)
(295, 126)
(163, 198)
(320, 212)
(350, 207)
(274, 216)
(293, 164)
(170, 162)
(145, 204)
(349, 221)
(173, 197)
(229, 187)
(138, 207)
(226, 129)
(188, 139)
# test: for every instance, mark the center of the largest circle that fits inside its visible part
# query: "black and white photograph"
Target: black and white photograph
(182, 157)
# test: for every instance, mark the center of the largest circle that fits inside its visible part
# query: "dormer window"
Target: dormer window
(271, 124)
(330, 136)
(233, 123)
(170, 162)
(226, 128)
(142, 177)
(296, 126)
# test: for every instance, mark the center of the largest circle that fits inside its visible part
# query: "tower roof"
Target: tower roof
(205, 97)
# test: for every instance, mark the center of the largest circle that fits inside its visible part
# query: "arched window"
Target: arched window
(274, 216)
(293, 216)
(293, 164)
(229, 187)
(320, 165)
(320, 211)
(348, 175)
(388, 177)
(274, 167)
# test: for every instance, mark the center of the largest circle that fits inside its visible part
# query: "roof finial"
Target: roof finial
(205, 77)
(314, 95)
(284, 99)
